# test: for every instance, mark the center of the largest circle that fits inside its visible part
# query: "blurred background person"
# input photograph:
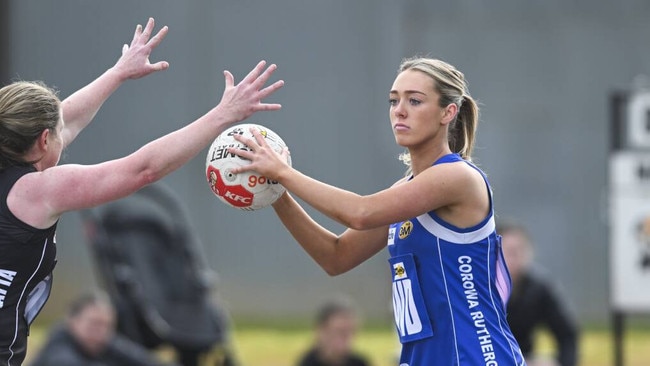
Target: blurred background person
(336, 326)
(87, 337)
(535, 302)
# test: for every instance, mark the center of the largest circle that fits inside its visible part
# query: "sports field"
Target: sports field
(280, 346)
(268, 347)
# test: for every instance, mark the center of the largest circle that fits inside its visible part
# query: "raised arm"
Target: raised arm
(39, 198)
(80, 107)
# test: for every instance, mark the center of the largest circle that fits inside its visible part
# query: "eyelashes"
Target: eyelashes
(412, 101)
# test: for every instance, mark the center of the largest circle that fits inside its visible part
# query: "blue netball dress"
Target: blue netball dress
(450, 288)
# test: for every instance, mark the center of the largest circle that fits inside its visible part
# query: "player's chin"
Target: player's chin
(401, 141)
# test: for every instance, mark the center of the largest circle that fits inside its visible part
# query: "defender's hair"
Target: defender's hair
(27, 108)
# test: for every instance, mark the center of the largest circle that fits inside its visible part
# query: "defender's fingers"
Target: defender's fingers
(148, 29)
(267, 107)
(155, 40)
(160, 65)
(262, 79)
(136, 34)
(253, 74)
(271, 89)
(230, 80)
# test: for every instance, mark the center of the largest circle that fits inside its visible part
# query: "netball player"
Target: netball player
(35, 127)
(450, 283)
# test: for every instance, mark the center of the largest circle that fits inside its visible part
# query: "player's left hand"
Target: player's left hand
(264, 159)
(134, 62)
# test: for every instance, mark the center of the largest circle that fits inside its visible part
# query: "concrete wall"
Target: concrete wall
(542, 72)
(4, 42)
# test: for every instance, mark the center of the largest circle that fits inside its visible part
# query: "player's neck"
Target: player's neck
(422, 159)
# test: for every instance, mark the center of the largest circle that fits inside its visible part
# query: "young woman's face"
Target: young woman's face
(415, 115)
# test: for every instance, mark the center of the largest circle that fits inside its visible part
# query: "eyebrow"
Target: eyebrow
(407, 92)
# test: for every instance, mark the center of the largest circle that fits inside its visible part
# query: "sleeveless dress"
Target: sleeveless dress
(27, 258)
(450, 288)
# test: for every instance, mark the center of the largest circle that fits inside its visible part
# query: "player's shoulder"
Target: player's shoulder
(458, 175)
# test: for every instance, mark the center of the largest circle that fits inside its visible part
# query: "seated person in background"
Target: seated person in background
(534, 302)
(87, 338)
(336, 326)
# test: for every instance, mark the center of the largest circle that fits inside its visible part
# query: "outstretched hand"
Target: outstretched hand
(264, 159)
(134, 62)
(242, 100)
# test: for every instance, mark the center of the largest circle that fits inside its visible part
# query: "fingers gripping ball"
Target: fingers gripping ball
(249, 190)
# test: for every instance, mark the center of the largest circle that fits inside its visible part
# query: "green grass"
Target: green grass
(272, 347)
(276, 345)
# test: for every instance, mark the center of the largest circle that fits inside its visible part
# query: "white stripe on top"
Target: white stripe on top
(452, 236)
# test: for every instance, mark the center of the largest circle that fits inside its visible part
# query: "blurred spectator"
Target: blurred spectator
(336, 327)
(534, 301)
(87, 338)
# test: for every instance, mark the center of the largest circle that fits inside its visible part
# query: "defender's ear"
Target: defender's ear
(42, 141)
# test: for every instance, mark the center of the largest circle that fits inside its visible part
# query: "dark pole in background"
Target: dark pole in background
(617, 102)
(618, 331)
(4, 42)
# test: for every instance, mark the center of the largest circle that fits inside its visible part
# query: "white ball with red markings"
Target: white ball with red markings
(249, 190)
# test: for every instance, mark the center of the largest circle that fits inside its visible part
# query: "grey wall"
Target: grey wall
(4, 42)
(542, 71)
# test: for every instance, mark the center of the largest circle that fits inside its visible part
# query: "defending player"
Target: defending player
(35, 127)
